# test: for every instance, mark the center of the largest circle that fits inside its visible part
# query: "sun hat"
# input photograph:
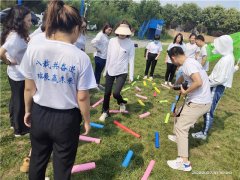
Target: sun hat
(123, 29)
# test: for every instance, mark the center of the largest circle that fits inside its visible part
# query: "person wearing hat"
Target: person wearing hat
(121, 53)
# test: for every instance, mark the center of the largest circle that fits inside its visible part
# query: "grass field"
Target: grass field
(219, 154)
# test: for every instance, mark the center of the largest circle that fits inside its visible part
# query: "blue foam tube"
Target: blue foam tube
(127, 158)
(92, 124)
(157, 145)
(177, 97)
(173, 106)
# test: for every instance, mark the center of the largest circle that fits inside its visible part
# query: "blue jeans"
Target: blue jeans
(99, 66)
(217, 93)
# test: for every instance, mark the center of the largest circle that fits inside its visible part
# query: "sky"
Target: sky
(205, 3)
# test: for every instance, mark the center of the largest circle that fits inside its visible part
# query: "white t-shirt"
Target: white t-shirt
(174, 45)
(201, 95)
(81, 42)
(37, 31)
(154, 48)
(100, 42)
(59, 70)
(191, 50)
(202, 54)
(121, 52)
(15, 47)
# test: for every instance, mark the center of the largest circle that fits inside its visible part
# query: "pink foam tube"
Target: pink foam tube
(83, 167)
(117, 111)
(138, 89)
(148, 170)
(144, 115)
(89, 139)
(140, 96)
(97, 103)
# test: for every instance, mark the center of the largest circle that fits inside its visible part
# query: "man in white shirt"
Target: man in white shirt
(202, 57)
(198, 103)
(220, 79)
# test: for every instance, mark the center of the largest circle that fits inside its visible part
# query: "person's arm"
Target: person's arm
(131, 63)
(166, 58)
(3, 56)
(84, 105)
(146, 55)
(196, 83)
(29, 91)
(109, 51)
(180, 80)
(159, 53)
(95, 42)
(204, 59)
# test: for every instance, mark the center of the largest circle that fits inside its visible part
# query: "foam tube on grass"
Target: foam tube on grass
(154, 93)
(144, 83)
(92, 124)
(140, 96)
(153, 84)
(148, 170)
(163, 101)
(125, 99)
(89, 139)
(138, 89)
(126, 129)
(127, 88)
(173, 106)
(138, 77)
(157, 90)
(127, 159)
(133, 83)
(83, 167)
(166, 86)
(157, 144)
(167, 118)
(117, 111)
(140, 102)
(177, 97)
(97, 103)
(146, 114)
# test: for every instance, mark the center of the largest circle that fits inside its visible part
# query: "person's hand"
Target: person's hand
(156, 58)
(236, 68)
(104, 73)
(183, 92)
(87, 128)
(27, 119)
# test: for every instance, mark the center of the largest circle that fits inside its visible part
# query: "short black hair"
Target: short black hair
(157, 37)
(192, 34)
(200, 37)
(175, 51)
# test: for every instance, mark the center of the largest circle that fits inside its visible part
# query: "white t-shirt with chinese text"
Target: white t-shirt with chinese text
(202, 54)
(154, 47)
(174, 45)
(59, 70)
(202, 95)
(81, 42)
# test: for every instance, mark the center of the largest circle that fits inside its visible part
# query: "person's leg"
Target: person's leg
(40, 142)
(216, 92)
(97, 72)
(11, 104)
(101, 67)
(148, 63)
(120, 81)
(108, 91)
(188, 117)
(154, 62)
(172, 73)
(65, 142)
(169, 65)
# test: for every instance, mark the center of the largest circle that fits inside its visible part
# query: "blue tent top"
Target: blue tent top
(155, 22)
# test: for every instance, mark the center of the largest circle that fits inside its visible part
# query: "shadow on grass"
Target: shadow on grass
(109, 165)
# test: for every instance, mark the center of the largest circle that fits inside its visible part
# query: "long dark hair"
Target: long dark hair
(14, 21)
(106, 26)
(61, 17)
(175, 39)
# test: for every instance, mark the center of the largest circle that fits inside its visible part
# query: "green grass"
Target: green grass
(221, 152)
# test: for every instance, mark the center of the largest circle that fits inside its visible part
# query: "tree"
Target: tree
(170, 15)
(231, 21)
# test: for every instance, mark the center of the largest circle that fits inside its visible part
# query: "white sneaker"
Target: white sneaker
(101, 87)
(179, 165)
(145, 77)
(166, 83)
(170, 84)
(151, 78)
(199, 135)
(103, 117)
(122, 107)
(11, 127)
(172, 138)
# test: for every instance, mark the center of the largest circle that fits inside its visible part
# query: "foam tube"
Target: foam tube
(89, 139)
(157, 145)
(141, 103)
(148, 170)
(165, 86)
(155, 94)
(146, 114)
(153, 84)
(83, 167)
(173, 106)
(125, 99)
(144, 83)
(126, 129)
(163, 101)
(138, 77)
(157, 90)
(127, 88)
(127, 159)
(177, 97)
(133, 83)
(140, 96)
(92, 124)
(97, 103)
(117, 111)
(167, 118)
(138, 89)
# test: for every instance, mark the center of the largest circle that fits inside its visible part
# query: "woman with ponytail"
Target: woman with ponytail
(58, 77)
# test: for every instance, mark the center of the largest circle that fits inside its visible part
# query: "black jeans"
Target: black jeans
(150, 62)
(16, 107)
(171, 69)
(120, 81)
(99, 66)
(53, 130)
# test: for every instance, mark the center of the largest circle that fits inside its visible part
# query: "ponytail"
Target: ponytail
(61, 17)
